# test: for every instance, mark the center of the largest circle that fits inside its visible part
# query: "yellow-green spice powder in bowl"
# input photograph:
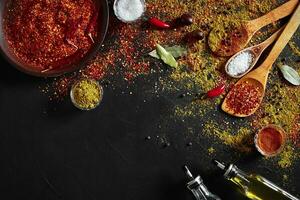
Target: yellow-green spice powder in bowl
(86, 94)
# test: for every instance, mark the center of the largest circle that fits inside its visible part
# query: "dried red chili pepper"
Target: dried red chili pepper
(217, 91)
(158, 23)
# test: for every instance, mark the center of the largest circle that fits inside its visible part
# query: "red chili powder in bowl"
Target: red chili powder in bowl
(270, 140)
(49, 34)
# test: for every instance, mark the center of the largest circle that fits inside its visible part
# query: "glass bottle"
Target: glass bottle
(254, 186)
(197, 187)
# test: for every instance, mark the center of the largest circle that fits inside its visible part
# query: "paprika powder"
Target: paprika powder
(46, 34)
(270, 140)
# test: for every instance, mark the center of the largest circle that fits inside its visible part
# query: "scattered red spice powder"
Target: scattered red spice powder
(129, 52)
(270, 140)
(243, 98)
(127, 55)
(62, 85)
(96, 69)
(50, 34)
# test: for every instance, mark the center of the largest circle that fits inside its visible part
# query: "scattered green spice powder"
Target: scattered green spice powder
(287, 157)
(242, 139)
(221, 31)
(86, 94)
(199, 71)
(295, 49)
(285, 177)
(211, 150)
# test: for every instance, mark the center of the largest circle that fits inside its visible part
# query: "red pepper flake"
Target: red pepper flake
(243, 98)
(158, 23)
(217, 91)
(92, 25)
(95, 71)
(49, 34)
(128, 52)
(62, 85)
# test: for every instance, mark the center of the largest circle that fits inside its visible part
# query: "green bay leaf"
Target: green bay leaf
(290, 74)
(176, 51)
(154, 54)
(166, 56)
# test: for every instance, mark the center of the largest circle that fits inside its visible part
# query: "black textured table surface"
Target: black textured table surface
(57, 152)
(54, 151)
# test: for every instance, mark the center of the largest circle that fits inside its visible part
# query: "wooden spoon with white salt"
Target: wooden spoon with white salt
(243, 62)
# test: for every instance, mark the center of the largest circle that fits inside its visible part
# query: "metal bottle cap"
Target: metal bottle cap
(194, 182)
(230, 170)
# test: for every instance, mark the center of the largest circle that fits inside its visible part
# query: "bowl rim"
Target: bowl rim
(280, 149)
(75, 66)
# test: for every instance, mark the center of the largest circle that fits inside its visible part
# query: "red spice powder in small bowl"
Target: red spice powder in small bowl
(270, 140)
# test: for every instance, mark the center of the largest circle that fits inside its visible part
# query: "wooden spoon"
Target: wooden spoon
(233, 37)
(258, 78)
(255, 52)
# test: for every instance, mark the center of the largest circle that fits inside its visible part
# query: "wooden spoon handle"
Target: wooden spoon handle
(272, 38)
(283, 39)
(258, 49)
(278, 13)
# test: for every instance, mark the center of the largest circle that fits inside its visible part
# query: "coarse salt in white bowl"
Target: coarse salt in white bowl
(129, 10)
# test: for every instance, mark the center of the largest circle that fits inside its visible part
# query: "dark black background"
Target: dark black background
(54, 151)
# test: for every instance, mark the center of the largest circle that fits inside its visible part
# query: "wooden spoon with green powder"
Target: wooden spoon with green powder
(228, 39)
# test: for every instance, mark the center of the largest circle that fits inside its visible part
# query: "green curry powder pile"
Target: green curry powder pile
(86, 94)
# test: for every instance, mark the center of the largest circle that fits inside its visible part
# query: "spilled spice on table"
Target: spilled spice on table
(294, 47)
(295, 131)
(127, 50)
(241, 139)
(211, 150)
(287, 157)
(281, 107)
(199, 71)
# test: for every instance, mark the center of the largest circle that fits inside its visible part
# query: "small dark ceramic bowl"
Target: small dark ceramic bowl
(103, 20)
